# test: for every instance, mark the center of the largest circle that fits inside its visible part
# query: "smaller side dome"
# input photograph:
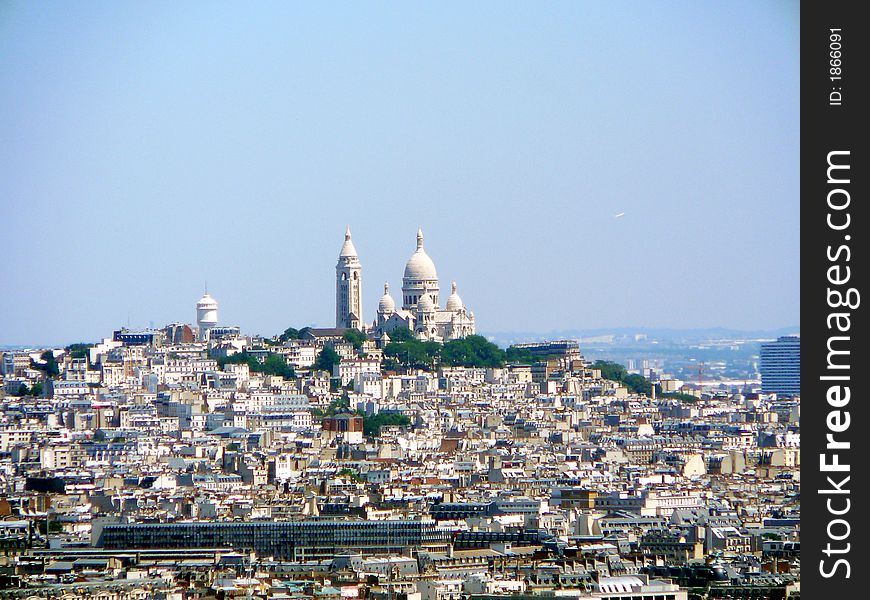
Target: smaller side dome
(387, 305)
(425, 304)
(454, 302)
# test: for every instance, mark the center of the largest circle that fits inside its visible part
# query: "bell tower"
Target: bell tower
(348, 286)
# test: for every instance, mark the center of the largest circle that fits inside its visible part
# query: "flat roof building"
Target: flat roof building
(294, 540)
(781, 366)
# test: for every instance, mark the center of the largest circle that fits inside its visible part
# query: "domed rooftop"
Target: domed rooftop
(387, 305)
(454, 302)
(425, 304)
(206, 302)
(420, 266)
(347, 249)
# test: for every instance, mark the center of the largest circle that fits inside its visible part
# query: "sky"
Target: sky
(146, 148)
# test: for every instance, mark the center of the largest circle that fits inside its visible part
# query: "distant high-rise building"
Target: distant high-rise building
(781, 366)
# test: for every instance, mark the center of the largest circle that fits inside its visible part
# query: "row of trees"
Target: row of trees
(616, 372)
(636, 383)
(405, 350)
(372, 423)
(79, 350)
(354, 336)
(274, 364)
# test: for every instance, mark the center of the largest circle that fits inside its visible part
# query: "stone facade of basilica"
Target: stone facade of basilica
(421, 311)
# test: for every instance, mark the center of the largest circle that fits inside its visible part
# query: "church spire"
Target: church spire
(348, 249)
(420, 239)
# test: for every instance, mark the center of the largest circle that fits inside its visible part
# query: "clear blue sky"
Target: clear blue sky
(150, 146)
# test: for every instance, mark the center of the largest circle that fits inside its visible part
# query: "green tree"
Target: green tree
(336, 406)
(610, 370)
(36, 389)
(275, 364)
(355, 337)
(616, 372)
(49, 367)
(239, 358)
(401, 334)
(327, 359)
(682, 397)
(351, 474)
(53, 526)
(432, 349)
(521, 356)
(372, 424)
(411, 354)
(21, 391)
(291, 333)
(472, 351)
(78, 350)
(638, 384)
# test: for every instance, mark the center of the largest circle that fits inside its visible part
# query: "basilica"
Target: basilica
(421, 311)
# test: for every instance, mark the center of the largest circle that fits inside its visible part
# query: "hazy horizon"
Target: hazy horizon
(499, 336)
(153, 147)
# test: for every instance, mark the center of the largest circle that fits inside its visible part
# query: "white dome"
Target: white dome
(387, 305)
(420, 266)
(206, 302)
(425, 304)
(454, 302)
(347, 249)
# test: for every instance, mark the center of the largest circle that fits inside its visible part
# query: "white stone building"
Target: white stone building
(348, 286)
(206, 316)
(421, 311)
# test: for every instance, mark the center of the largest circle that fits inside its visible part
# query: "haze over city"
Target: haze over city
(575, 165)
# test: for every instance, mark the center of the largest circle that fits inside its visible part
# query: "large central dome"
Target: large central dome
(420, 266)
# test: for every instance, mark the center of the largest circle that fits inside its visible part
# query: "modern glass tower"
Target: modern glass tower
(781, 366)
